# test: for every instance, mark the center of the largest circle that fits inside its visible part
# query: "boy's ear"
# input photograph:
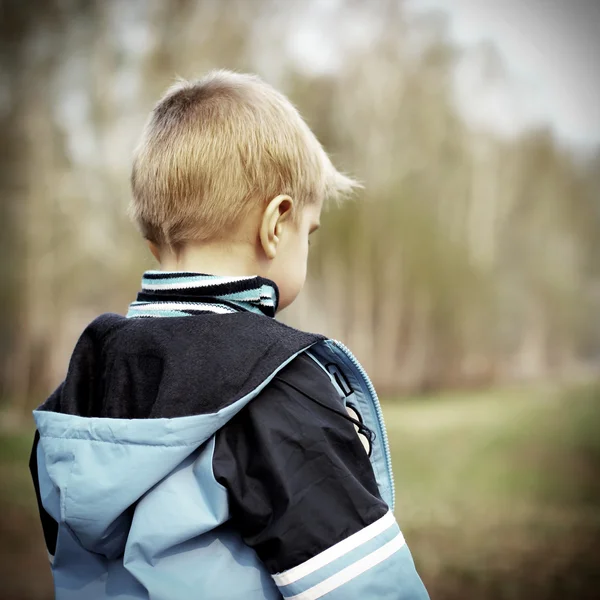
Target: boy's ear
(275, 217)
(154, 249)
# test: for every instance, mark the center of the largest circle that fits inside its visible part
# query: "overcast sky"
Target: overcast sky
(551, 49)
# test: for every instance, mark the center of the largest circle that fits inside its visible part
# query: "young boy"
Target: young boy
(198, 448)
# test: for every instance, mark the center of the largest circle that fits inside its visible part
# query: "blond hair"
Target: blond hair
(214, 148)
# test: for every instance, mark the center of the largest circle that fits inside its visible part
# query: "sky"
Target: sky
(551, 51)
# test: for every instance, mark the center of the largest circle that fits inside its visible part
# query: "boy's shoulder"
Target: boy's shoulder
(236, 330)
(179, 366)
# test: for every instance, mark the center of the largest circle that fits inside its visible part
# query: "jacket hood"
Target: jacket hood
(140, 396)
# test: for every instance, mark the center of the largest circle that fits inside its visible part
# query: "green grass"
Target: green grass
(17, 489)
(498, 495)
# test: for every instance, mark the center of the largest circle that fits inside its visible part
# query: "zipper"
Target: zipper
(378, 411)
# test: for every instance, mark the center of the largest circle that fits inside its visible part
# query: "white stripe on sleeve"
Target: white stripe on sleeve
(351, 571)
(336, 551)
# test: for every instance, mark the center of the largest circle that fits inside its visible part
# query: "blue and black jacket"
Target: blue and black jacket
(199, 449)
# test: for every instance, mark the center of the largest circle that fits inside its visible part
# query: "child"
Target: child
(198, 448)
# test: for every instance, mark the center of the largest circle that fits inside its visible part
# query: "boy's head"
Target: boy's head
(227, 161)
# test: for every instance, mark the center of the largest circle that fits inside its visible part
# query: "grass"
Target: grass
(498, 495)
(14, 469)
(24, 572)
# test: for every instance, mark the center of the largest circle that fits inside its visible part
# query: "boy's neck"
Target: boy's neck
(228, 259)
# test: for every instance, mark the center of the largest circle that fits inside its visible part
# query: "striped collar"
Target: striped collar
(178, 293)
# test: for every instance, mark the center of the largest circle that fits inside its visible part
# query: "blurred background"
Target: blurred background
(465, 276)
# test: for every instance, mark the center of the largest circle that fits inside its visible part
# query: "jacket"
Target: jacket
(200, 449)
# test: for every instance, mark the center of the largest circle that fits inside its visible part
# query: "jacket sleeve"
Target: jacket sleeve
(303, 494)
